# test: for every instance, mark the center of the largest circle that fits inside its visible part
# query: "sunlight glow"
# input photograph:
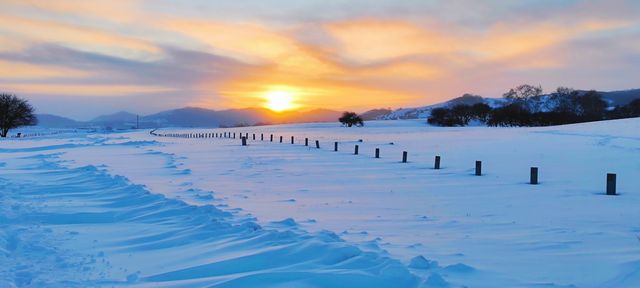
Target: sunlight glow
(279, 100)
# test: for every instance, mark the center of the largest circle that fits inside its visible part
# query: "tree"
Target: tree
(351, 118)
(14, 112)
(564, 100)
(523, 92)
(591, 107)
(509, 115)
(481, 111)
(525, 95)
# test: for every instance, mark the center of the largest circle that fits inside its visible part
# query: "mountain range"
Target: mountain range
(201, 117)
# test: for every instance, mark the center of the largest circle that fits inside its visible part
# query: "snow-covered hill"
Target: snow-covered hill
(614, 98)
(425, 111)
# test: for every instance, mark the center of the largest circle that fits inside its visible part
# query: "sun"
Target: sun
(279, 100)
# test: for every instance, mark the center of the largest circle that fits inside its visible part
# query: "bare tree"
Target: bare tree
(527, 96)
(15, 112)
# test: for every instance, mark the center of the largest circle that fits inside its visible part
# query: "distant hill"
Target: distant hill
(375, 114)
(614, 98)
(622, 97)
(200, 117)
(53, 121)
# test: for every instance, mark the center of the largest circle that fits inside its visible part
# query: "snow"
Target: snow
(91, 209)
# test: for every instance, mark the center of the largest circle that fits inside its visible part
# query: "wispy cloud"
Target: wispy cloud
(357, 54)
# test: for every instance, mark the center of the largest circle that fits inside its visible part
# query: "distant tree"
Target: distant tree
(527, 96)
(351, 118)
(446, 117)
(590, 106)
(523, 92)
(633, 108)
(564, 100)
(481, 111)
(14, 112)
(510, 115)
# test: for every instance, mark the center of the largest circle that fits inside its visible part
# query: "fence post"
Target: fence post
(611, 184)
(244, 141)
(356, 150)
(234, 135)
(254, 136)
(534, 176)
(436, 165)
(478, 168)
(306, 141)
(335, 146)
(404, 156)
(271, 138)
(377, 152)
(280, 139)
(261, 136)
(317, 144)
(292, 141)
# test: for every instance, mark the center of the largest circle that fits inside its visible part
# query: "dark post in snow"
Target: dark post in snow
(306, 141)
(404, 156)
(534, 176)
(335, 146)
(271, 138)
(234, 135)
(377, 152)
(478, 168)
(261, 136)
(280, 139)
(244, 141)
(292, 140)
(611, 184)
(436, 165)
(317, 144)
(254, 136)
(356, 150)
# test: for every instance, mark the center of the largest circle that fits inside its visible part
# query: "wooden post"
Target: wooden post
(271, 138)
(234, 135)
(244, 141)
(335, 146)
(478, 168)
(292, 140)
(280, 139)
(254, 136)
(611, 184)
(317, 144)
(306, 141)
(356, 150)
(377, 152)
(534, 176)
(436, 165)
(404, 156)
(261, 136)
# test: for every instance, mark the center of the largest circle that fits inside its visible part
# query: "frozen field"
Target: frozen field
(133, 209)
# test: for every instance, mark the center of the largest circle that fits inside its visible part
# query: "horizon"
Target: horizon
(81, 60)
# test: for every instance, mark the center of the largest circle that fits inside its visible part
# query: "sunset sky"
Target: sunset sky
(83, 58)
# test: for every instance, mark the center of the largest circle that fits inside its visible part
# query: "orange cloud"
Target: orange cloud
(84, 90)
(78, 37)
(17, 70)
(376, 40)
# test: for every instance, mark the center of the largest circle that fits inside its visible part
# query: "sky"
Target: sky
(84, 58)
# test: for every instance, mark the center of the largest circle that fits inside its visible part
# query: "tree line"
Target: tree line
(525, 105)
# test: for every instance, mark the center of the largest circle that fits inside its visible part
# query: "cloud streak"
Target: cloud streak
(353, 55)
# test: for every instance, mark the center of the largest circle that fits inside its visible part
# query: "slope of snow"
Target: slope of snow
(425, 111)
(339, 219)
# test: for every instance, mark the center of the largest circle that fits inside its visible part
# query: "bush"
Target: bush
(351, 118)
